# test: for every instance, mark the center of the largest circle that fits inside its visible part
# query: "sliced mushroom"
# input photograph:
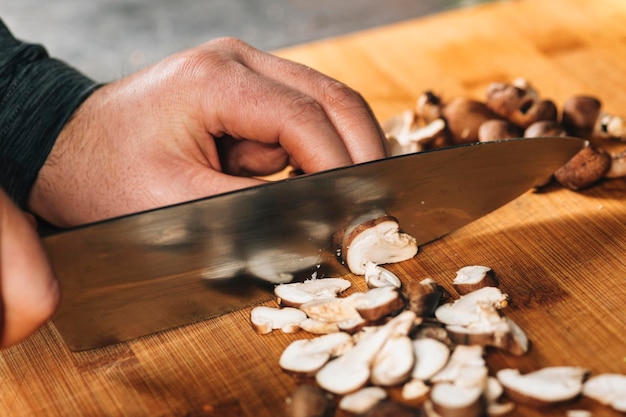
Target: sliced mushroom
(405, 136)
(415, 390)
(379, 241)
(618, 165)
(351, 371)
(608, 389)
(471, 307)
(307, 356)
(452, 400)
(297, 293)
(333, 310)
(265, 319)
(394, 362)
(500, 332)
(431, 356)
(473, 277)
(363, 400)
(424, 296)
(544, 387)
(377, 276)
(466, 364)
(378, 303)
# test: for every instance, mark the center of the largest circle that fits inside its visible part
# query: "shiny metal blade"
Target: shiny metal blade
(131, 276)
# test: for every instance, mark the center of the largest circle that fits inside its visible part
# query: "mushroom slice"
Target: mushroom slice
(297, 293)
(431, 356)
(450, 400)
(544, 387)
(319, 327)
(333, 310)
(393, 364)
(265, 319)
(502, 333)
(471, 307)
(608, 389)
(415, 390)
(466, 366)
(379, 241)
(363, 400)
(378, 303)
(351, 371)
(424, 296)
(307, 356)
(474, 277)
(376, 276)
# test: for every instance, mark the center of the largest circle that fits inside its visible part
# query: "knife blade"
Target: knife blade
(138, 274)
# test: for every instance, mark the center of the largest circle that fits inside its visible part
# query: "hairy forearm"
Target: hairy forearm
(38, 95)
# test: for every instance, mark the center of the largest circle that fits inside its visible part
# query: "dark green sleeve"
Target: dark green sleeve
(38, 95)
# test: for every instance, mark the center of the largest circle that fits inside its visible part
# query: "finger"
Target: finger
(257, 107)
(347, 110)
(28, 289)
(248, 158)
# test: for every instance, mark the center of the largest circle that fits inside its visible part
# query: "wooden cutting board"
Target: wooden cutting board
(561, 255)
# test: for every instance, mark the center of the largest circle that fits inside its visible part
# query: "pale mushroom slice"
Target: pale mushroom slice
(500, 332)
(265, 319)
(474, 277)
(379, 241)
(351, 371)
(470, 308)
(415, 390)
(608, 389)
(466, 366)
(333, 310)
(297, 293)
(376, 276)
(450, 400)
(307, 356)
(363, 400)
(431, 356)
(394, 362)
(378, 303)
(544, 387)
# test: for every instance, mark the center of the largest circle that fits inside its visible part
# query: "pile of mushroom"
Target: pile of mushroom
(514, 110)
(412, 350)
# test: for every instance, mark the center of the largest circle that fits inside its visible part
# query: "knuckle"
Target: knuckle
(340, 95)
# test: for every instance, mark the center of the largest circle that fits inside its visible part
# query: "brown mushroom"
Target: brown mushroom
(424, 296)
(463, 118)
(586, 168)
(498, 129)
(583, 117)
(518, 104)
(428, 106)
(544, 128)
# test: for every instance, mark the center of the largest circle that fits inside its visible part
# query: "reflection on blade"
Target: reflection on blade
(138, 274)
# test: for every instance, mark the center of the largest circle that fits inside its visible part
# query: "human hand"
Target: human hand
(28, 291)
(201, 122)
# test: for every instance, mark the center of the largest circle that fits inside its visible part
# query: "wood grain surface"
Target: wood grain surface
(561, 255)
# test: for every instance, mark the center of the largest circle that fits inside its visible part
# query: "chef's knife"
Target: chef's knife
(138, 274)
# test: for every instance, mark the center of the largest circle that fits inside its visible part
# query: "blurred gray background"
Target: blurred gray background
(107, 39)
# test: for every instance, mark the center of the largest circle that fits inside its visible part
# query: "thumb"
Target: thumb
(29, 293)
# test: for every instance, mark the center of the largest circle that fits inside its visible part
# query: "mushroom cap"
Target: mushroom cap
(463, 118)
(580, 114)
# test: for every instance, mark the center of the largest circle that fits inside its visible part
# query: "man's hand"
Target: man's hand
(28, 291)
(201, 122)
